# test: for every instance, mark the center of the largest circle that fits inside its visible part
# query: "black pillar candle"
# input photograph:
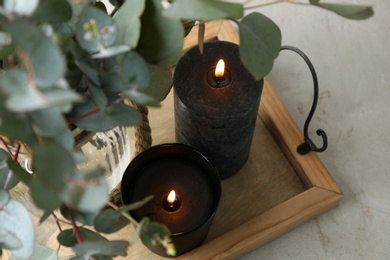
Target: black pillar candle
(216, 114)
(163, 168)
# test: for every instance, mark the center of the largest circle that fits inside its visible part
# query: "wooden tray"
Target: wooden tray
(276, 190)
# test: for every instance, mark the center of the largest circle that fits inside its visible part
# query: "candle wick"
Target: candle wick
(219, 80)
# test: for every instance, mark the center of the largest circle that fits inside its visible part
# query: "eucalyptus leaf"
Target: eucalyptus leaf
(86, 194)
(43, 253)
(16, 227)
(128, 21)
(161, 83)
(67, 237)
(20, 7)
(87, 65)
(98, 96)
(43, 197)
(53, 165)
(260, 42)
(114, 115)
(137, 204)
(48, 122)
(110, 221)
(17, 127)
(161, 40)
(5, 39)
(13, 81)
(356, 12)
(140, 98)
(19, 172)
(47, 60)
(95, 29)
(64, 138)
(53, 11)
(135, 71)
(151, 230)
(205, 10)
(5, 171)
(106, 248)
(110, 51)
(138, 229)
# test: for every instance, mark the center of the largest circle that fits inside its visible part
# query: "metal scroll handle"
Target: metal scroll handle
(308, 145)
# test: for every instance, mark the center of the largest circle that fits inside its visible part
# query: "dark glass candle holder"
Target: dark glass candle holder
(166, 167)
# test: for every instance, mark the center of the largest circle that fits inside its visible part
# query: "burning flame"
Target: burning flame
(171, 197)
(220, 69)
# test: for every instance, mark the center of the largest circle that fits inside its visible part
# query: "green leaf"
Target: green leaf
(19, 172)
(16, 227)
(151, 230)
(98, 96)
(160, 84)
(140, 98)
(17, 127)
(43, 197)
(314, 1)
(5, 171)
(53, 165)
(110, 51)
(114, 115)
(44, 253)
(137, 204)
(260, 42)
(205, 10)
(47, 60)
(67, 237)
(20, 7)
(161, 40)
(53, 11)
(64, 138)
(110, 221)
(13, 81)
(84, 193)
(127, 19)
(138, 229)
(106, 248)
(95, 29)
(355, 12)
(135, 71)
(48, 122)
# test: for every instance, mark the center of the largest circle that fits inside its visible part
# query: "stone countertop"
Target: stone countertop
(352, 60)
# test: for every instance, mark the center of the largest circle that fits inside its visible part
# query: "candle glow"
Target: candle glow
(171, 197)
(220, 69)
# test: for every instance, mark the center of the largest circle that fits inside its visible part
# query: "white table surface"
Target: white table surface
(352, 59)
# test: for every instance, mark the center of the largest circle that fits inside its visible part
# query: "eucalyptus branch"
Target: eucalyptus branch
(74, 226)
(57, 220)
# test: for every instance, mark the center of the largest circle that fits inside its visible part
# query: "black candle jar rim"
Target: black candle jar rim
(172, 150)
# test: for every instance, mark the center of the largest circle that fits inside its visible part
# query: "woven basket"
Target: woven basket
(142, 140)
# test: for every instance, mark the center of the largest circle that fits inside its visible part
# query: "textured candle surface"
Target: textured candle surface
(219, 122)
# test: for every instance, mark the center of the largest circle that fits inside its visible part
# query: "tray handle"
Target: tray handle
(308, 145)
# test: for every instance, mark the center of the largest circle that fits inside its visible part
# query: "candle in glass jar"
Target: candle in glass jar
(186, 190)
